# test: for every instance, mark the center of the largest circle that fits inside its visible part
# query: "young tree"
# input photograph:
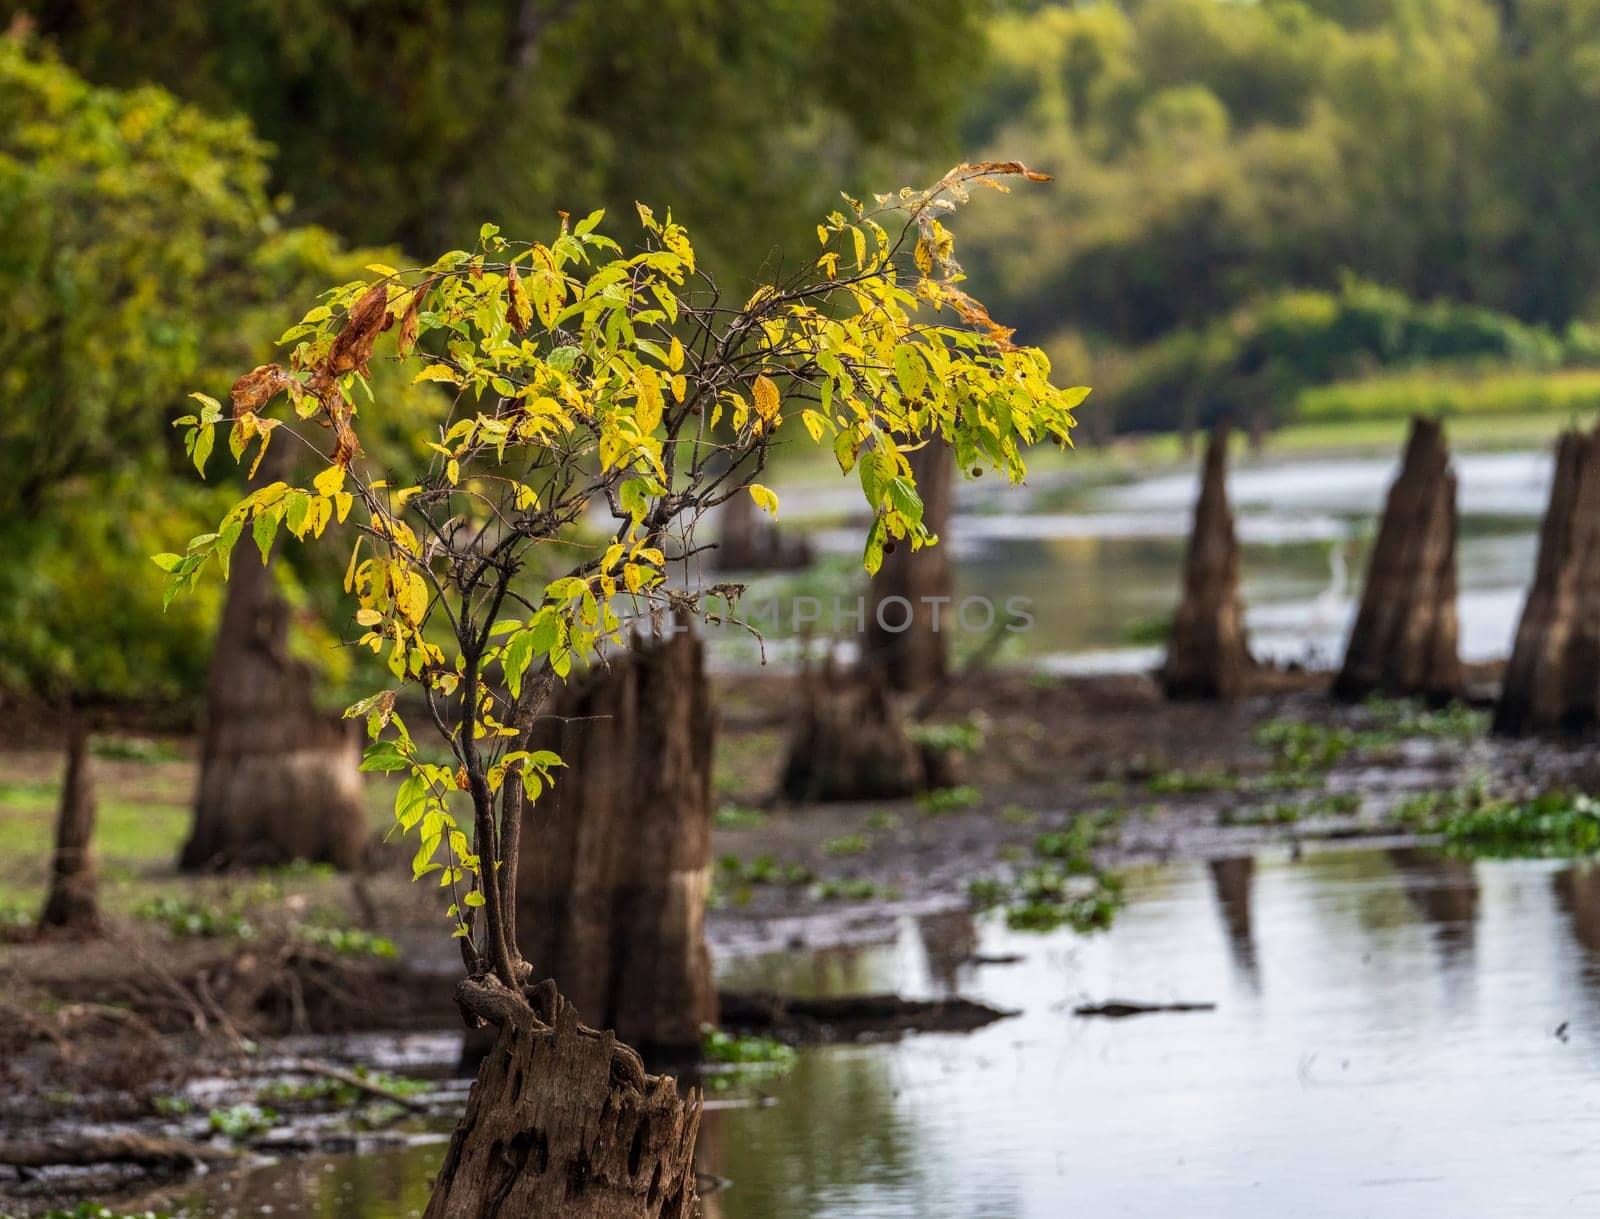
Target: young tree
(586, 386)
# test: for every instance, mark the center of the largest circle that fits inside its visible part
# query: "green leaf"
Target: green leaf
(264, 528)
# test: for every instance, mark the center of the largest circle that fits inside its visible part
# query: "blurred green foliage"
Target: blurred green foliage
(1236, 178)
(415, 120)
(141, 259)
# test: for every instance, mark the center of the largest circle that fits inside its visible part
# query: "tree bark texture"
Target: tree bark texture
(914, 590)
(1207, 656)
(1405, 637)
(1552, 681)
(279, 779)
(563, 1123)
(615, 861)
(72, 903)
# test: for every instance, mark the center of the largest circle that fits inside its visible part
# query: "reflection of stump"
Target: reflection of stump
(1207, 657)
(749, 541)
(71, 904)
(279, 779)
(1553, 677)
(849, 741)
(616, 859)
(910, 603)
(563, 1123)
(1404, 641)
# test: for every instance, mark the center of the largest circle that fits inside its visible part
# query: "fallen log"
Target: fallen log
(844, 1018)
(1119, 1009)
(143, 1150)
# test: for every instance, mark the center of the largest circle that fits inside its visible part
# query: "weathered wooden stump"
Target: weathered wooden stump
(563, 1123)
(849, 741)
(615, 861)
(72, 903)
(1405, 636)
(910, 608)
(1553, 678)
(1207, 655)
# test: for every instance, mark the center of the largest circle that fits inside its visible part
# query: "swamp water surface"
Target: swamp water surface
(1103, 566)
(1395, 1034)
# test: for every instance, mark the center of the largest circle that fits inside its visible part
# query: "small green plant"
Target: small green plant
(1189, 782)
(1147, 632)
(736, 817)
(1474, 822)
(134, 749)
(193, 918)
(336, 1092)
(242, 1121)
(965, 736)
(846, 844)
(985, 892)
(1015, 814)
(950, 799)
(172, 1106)
(348, 941)
(853, 889)
(718, 1046)
(881, 820)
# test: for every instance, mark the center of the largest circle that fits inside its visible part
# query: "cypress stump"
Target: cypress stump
(1405, 636)
(910, 605)
(279, 779)
(615, 861)
(849, 741)
(1207, 655)
(563, 1122)
(1553, 678)
(72, 903)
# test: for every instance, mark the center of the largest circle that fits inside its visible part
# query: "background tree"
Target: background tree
(409, 122)
(139, 253)
(586, 376)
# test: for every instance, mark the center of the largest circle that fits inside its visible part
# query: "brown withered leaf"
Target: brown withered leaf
(975, 315)
(369, 317)
(256, 388)
(346, 448)
(407, 338)
(519, 309)
(1013, 168)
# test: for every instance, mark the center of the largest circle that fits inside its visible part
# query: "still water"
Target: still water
(1395, 1034)
(1102, 566)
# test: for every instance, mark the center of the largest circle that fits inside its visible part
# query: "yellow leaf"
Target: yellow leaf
(765, 498)
(675, 354)
(330, 482)
(650, 403)
(765, 393)
(437, 372)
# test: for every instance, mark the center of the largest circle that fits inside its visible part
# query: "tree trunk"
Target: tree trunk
(279, 779)
(563, 1123)
(849, 741)
(910, 609)
(72, 904)
(748, 541)
(615, 862)
(1404, 640)
(1207, 656)
(1553, 678)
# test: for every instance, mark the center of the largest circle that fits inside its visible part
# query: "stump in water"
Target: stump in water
(1553, 678)
(750, 542)
(615, 862)
(1207, 657)
(1404, 641)
(849, 741)
(910, 601)
(72, 904)
(279, 779)
(563, 1123)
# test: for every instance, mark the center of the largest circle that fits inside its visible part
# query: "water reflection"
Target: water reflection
(1231, 878)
